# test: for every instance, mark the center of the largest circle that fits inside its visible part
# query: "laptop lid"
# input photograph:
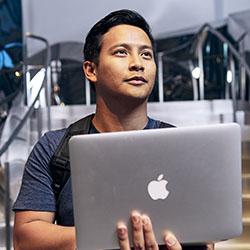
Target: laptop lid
(186, 179)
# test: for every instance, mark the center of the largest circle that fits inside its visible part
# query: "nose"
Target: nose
(135, 63)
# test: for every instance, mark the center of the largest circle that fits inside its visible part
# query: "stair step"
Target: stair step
(242, 242)
(246, 183)
(228, 245)
(245, 166)
(246, 220)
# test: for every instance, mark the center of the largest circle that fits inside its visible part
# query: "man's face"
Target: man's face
(126, 66)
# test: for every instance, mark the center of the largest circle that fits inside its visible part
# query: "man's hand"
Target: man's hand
(143, 235)
(210, 247)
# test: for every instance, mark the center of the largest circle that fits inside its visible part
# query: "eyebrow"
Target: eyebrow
(125, 45)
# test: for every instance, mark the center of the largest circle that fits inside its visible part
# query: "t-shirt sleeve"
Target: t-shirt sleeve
(36, 192)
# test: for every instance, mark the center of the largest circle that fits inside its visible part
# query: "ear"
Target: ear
(89, 69)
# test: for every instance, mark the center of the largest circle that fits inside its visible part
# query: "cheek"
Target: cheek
(112, 70)
(152, 71)
(108, 75)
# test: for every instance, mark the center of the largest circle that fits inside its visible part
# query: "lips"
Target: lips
(136, 80)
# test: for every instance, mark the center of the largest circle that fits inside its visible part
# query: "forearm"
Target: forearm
(40, 235)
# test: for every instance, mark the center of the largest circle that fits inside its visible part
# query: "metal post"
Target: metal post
(27, 81)
(242, 71)
(7, 206)
(233, 86)
(39, 122)
(87, 92)
(199, 53)
(24, 68)
(160, 77)
(48, 74)
(200, 65)
(48, 96)
(194, 81)
(243, 83)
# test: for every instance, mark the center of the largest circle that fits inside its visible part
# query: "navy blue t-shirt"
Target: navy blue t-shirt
(36, 191)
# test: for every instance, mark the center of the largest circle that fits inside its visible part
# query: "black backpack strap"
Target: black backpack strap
(59, 164)
(166, 125)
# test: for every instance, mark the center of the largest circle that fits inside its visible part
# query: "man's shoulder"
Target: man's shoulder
(54, 135)
(49, 142)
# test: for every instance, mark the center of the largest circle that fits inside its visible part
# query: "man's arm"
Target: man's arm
(35, 230)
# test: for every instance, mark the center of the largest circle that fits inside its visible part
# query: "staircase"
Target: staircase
(243, 242)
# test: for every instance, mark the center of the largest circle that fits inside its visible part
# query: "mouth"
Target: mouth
(136, 80)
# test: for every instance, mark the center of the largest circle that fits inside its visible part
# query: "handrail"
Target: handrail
(30, 35)
(207, 27)
(5, 146)
(223, 39)
(20, 125)
(7, 205)
(196, 40)
(48, 83)
(220, 36)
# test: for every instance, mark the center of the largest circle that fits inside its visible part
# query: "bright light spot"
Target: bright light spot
(37, 104)
(34, 85)
(37, 80)
(229, 76)
(225, 48)
(208, 48)
(196, 73)
(17, 74)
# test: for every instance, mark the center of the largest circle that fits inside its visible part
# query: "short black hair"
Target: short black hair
(92, 44)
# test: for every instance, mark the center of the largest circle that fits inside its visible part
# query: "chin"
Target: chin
(137, 99)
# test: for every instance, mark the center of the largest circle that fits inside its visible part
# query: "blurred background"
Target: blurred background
(203, 56)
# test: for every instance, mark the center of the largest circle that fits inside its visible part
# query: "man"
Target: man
(119, 63)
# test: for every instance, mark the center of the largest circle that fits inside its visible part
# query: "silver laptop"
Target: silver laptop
(186, 179)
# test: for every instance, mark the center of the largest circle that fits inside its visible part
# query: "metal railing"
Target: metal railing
(198, 42)
(45, 85)
(208, 28)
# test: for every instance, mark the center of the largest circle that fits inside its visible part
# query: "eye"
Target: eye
(121, 52)
(147, 55)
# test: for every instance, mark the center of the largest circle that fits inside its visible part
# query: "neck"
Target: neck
(120, 116)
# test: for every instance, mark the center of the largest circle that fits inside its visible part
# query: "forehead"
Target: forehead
(125, 34)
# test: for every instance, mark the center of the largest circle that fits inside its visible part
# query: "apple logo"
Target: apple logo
(157, 188)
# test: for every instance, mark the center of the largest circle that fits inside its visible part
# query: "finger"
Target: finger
(137, 231)
(210, 247)
(171, 242)
(122, 234)
(149, 237)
